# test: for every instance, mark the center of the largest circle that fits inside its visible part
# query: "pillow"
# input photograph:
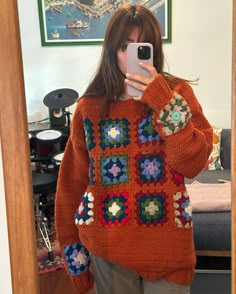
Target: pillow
(213, 162)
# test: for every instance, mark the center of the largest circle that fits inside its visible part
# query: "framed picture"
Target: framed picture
(78, 22)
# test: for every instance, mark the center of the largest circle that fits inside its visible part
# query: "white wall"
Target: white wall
(201, 48)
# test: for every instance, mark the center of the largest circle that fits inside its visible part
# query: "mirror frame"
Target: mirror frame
(15, 156)
(233, 156)
(16, 160)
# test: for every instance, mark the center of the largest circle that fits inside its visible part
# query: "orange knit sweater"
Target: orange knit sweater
(121, 192)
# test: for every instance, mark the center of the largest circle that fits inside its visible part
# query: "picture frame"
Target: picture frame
(71, 22)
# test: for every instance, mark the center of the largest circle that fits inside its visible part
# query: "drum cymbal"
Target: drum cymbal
(60, 98)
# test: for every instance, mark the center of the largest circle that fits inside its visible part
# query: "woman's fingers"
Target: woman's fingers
(150, 68)
(141, 82)
(143, 79)
(137, 83)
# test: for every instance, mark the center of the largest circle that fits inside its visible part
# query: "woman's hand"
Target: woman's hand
(141, 82)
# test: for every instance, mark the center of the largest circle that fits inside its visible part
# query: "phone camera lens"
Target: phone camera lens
(144, 52)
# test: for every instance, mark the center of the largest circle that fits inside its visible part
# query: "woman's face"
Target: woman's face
(122, 53)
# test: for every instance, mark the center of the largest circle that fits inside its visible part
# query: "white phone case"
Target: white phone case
(133, 66)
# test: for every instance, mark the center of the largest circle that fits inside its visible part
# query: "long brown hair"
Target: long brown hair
(109, 80)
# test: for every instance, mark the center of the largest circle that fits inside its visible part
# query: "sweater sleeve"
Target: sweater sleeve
(179, 120)
(72, 183)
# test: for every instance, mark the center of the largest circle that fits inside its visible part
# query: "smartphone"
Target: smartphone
(138, 52)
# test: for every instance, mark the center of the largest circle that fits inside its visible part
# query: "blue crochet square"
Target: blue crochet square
(150, 168)
(114, 169)
(78, 259)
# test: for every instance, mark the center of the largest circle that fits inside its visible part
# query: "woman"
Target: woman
(121, 180)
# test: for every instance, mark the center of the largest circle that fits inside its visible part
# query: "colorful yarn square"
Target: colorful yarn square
(114, 169)
(177, 178)
(151, 208)
(183, 210)
(150, 168)
(78, 259)
(84, 213)
(115, 208)
(114, 133)
(175, 116)
(146, 131)
(91, 172)
(89, 137)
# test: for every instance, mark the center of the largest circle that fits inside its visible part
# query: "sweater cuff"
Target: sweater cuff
(171, 111)
(157, 94)
(84, 283)
(77, 262)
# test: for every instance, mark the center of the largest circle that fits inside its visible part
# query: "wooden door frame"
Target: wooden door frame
(16, 159)
(15, 156)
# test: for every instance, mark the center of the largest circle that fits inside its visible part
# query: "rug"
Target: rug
(45, 265)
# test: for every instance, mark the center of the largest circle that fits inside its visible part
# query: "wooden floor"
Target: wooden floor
(57, 282)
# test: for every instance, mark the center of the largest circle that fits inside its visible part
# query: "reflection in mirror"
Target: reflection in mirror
(199, 48)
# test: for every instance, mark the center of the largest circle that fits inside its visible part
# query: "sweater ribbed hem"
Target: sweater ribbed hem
(181, 277)
(153, 256)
